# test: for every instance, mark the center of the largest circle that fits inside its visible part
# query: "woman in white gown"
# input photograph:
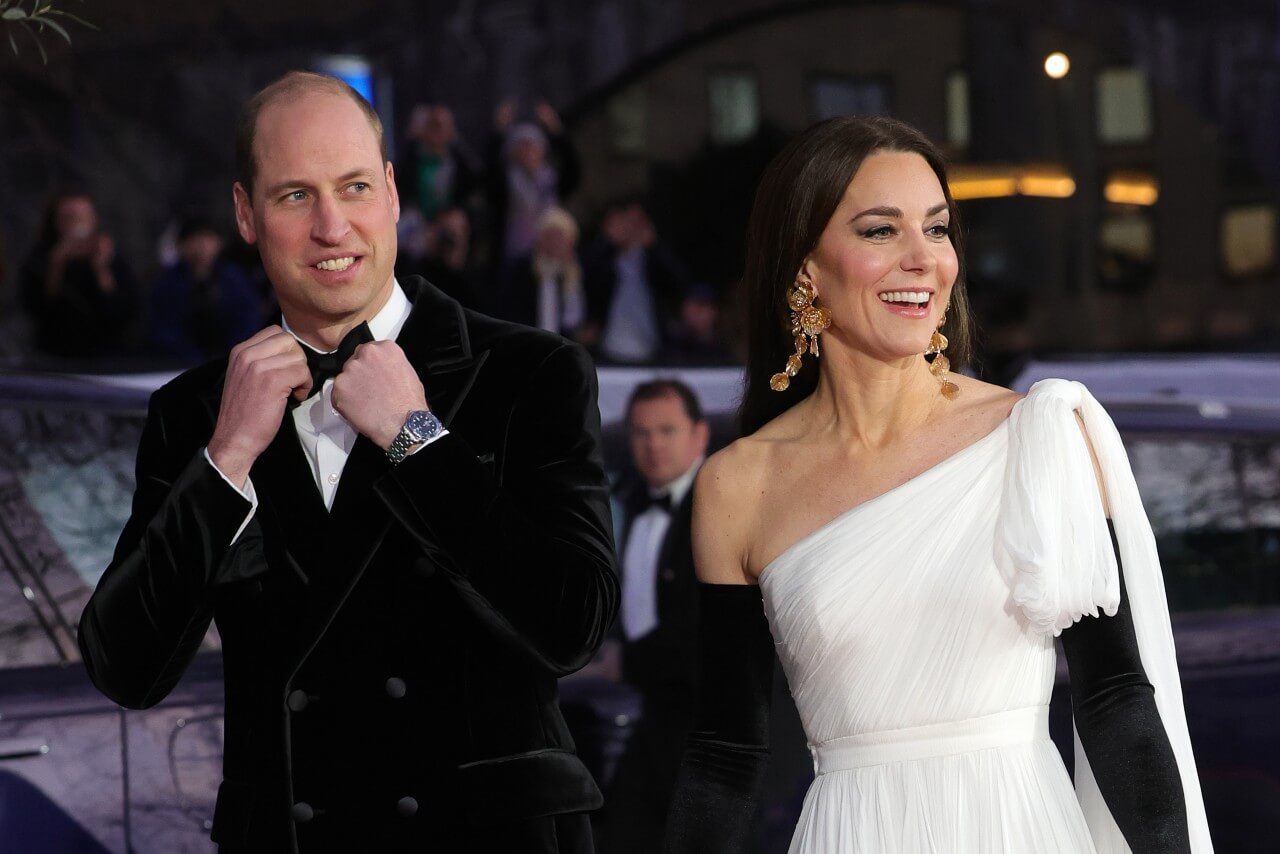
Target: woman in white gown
(911, 541)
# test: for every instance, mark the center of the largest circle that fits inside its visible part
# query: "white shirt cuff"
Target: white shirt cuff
(425, 442)
(248, 494)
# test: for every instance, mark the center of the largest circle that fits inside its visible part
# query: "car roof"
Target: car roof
(1220, 393)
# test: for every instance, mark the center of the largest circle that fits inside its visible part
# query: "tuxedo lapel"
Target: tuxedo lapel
(436, 342)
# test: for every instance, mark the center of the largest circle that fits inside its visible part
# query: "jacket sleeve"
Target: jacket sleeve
(718, 789)
(1121, 731)
(154, 602)
(531, 552)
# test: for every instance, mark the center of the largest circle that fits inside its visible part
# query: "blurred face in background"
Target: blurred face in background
(200, 251)
(323, 212)
(528, 155)
(699, 316)
(556, 243)
(75, 219)
(438, 130)
(665, 441)
(451, 236)
(433, 127)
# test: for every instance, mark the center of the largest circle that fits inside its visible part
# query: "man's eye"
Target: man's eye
(295, 196)
(359, 186)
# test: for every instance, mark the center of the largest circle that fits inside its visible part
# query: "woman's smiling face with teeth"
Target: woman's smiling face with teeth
(884, 265)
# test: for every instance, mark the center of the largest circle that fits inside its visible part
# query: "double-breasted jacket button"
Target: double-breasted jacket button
(302, 812)
(396, 688)
(297, 700)
(407, 806)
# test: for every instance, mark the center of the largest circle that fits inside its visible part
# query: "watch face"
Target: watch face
(423, 424)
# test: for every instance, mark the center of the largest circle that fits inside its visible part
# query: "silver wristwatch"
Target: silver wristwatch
(420, 426)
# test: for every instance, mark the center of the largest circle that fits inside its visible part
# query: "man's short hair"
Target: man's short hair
(659, 388)
(290, 87)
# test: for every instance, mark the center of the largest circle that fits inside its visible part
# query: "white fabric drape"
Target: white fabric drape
(1053, 540)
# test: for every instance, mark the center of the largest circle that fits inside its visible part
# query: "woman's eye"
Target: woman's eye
(940, 230)
(879, 231)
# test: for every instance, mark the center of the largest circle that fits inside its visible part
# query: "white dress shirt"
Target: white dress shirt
(561, 303)
(640, 558)
(325, 436)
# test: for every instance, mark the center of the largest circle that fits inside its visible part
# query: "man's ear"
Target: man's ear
(392, 192)
(244, 214)
(702, 433)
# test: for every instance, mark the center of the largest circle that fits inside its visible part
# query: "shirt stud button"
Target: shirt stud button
(333, 478)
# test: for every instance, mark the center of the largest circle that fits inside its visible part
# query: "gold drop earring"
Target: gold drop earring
(941, 365)
(808, 321)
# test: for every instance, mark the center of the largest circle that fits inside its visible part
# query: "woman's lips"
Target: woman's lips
(912, 304)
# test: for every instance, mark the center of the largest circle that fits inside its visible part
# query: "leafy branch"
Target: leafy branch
(35, 17)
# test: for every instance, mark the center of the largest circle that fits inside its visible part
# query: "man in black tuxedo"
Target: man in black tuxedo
(658, 621)
(394, 508)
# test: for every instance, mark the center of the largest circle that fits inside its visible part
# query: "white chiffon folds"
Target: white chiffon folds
(916, 631)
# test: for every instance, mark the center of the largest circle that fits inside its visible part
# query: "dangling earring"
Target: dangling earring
(941, 365)
(807, 321)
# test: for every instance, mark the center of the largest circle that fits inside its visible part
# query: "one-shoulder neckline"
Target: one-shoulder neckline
(1000, 428)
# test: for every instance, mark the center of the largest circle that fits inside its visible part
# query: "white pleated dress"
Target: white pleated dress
(916, 631)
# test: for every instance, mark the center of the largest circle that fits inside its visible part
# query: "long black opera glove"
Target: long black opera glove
(722, 774)
(1121, 731)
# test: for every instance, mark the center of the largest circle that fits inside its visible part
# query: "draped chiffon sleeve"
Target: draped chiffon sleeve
(1054, 546)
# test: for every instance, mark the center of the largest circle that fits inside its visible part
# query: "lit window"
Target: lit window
(958, 109)
(735, 106)
(628, 114)
(1249, 240)
(1124, 106)
(831, 96)
(1126, 249)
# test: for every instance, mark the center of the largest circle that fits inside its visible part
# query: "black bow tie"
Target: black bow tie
(326, 366)
(647, 501)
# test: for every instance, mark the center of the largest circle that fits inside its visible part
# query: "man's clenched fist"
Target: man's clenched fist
(261, 374)
(377, 390)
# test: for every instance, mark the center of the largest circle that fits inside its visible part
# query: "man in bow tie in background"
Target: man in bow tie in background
(396, 511)
(658, 622)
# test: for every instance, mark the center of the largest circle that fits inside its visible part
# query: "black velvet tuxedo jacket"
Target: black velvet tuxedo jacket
(663, 663)
(391, 665)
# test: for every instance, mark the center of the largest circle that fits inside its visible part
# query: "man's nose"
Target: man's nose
(329, 224)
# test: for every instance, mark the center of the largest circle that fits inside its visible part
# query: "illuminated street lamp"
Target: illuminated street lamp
(1056, 65)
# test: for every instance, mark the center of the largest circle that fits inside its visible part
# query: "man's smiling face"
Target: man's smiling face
(323, 211)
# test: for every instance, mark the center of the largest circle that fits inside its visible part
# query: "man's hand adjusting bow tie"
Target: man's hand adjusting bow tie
(327, 366)
(376, 391)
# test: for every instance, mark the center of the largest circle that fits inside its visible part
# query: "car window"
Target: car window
(66, 482)
(1214, 505)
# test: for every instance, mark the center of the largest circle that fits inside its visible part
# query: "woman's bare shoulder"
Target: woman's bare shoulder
(984, 393)
(730, 473)
(984, 402)
(725, 504)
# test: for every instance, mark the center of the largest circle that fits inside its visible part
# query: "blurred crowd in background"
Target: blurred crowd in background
(488, 225)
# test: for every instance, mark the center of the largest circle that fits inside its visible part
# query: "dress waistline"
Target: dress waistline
(1003, 729)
